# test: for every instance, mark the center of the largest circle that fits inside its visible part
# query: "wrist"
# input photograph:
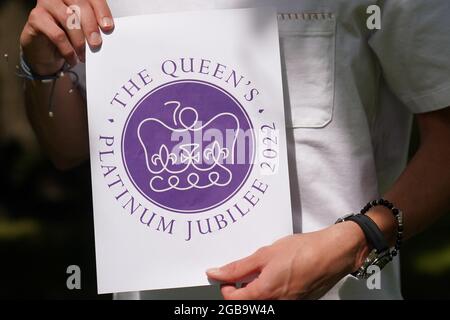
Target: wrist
(46, 69)
(354, 244)
(382, 225)
(43, 68)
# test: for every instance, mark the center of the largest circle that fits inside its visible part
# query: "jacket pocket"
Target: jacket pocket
(307, 42)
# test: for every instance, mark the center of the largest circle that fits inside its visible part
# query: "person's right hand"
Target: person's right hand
(48, 41)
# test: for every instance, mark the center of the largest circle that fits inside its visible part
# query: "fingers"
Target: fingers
(86, 15)
(41, 22)
(89, 25)
(59, 29)
(227, 291)
(103, 14)
(68, 20)
(80, 12)
(252, 291)
(238, 270)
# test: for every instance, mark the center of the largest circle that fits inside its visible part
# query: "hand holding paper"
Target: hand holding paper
(302, 266)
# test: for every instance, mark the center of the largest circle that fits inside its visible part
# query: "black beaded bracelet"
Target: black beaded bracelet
(398, 217)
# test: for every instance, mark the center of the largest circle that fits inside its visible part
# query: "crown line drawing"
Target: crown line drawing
(169, 169)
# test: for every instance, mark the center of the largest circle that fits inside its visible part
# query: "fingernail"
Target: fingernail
(95, 38)
(213, 271)
(107, 22)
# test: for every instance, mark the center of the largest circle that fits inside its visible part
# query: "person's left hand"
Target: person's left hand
(302, 266)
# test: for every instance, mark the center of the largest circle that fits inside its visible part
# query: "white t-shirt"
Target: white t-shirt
(349, 95)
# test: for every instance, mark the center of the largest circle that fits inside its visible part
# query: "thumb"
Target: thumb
(237, 270)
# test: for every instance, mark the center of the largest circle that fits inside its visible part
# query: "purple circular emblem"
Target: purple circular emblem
(188, 146)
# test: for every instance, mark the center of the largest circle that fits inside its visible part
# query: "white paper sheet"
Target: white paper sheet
(187, 136)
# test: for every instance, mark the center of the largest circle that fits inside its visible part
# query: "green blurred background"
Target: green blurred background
(46, 219)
